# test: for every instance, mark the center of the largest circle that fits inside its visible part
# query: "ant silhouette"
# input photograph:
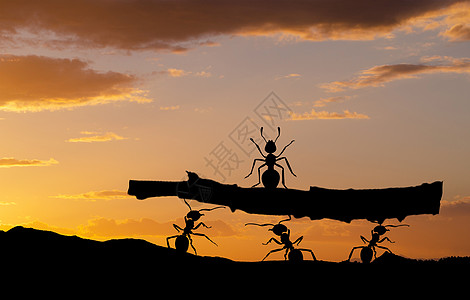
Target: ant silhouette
(294, 254)
(270, 177)
(366, 252)
(184, 239)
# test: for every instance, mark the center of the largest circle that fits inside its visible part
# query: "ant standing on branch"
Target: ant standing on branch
(270, 177)
(183, 240)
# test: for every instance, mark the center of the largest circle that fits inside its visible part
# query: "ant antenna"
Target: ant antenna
(285, 219)
(278, 133)
(397, 225)
(187, 204)
(209, 209)
(261, 225)
(261, 130)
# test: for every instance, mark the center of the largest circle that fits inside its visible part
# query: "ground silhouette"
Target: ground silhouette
(52, 252)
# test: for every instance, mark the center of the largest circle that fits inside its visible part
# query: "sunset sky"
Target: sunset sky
(96, 92)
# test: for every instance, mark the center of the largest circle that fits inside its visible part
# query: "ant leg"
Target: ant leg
(385, 239)
(282, 175)
(287, 163)
(311, 252)
(253, 166)
(197, 226)
(202, 234)
(364, 240)
(385, 248)
(169, 238)
(251, 139)
(272, 251)
(191, 243)
(297, 241)
(272, 240)
(285, 254)
(177, 228)
(259, 174)
(352, 250)
(285, 148)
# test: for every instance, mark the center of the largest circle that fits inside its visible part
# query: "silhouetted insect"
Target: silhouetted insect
(294, 254)
(184, 239)
(270, 177)
(367, 251)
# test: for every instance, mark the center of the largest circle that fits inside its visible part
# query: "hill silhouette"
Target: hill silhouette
(49, 253)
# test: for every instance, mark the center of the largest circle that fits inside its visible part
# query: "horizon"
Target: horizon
(97, 93)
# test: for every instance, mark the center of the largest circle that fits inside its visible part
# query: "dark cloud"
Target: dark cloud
(176, 25)
(379, 75)
(34, 83)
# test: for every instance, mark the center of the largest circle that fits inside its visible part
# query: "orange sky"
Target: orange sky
(94, 93)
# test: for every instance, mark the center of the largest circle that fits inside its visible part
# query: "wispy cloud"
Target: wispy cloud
(173, 72)
(288, 76)
(36, 83)
(96, 195)
(177, 72)
(379, 75)
(324, 115)
(174, 107)
(324, 101)
(91, 137)
(9, 162)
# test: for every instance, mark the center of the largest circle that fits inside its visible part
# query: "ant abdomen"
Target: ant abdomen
(270, 179)
(182, 244)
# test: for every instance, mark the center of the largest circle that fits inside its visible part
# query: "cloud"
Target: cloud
(177, 72)
(292, 75)
(175, 107)
(323, 101)
(324, 115)
(172, 72)
(181, 25)
(36, 83)
(13, 162)
(97, 195)
(379, 75)
(96, 137)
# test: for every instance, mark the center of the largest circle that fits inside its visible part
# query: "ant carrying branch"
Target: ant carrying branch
(281, 230)
(184, 239)
(369, 250)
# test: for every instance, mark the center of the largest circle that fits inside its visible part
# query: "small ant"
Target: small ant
(183, 240)
(366, 252)
(294, 254)
(270, 177)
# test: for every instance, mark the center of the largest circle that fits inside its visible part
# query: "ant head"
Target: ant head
(380, 229)
(277, 229)
(194, 215)
(270, 145)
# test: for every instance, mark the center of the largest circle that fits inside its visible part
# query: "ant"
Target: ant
(270, 177)
(183, 240)
(294, 254)
(366, 252)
